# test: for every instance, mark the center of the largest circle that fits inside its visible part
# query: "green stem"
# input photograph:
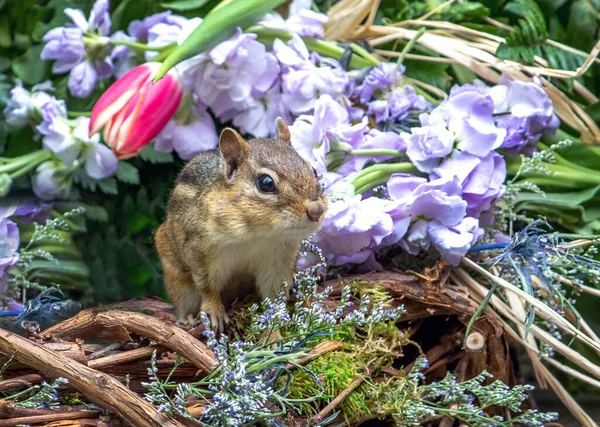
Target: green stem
(378, 152)
(369, 181)
(363, 52)
(79, 113)
(25, 163)
(322, 47)
(411, 43)
(390, 168)
(165, 52)
(140, 46)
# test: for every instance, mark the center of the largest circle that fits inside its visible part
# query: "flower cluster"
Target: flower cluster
(67, 144)
(398, 170)
(443, 167)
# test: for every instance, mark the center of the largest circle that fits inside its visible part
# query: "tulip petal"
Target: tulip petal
(119, 94)
(154, 109)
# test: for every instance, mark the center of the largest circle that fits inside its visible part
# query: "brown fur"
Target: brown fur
(221, 232)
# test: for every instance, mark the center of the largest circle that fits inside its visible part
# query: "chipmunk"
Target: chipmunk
(237, 213)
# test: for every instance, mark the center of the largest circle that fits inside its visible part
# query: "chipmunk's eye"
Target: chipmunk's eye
(265, 184)
(315, 172)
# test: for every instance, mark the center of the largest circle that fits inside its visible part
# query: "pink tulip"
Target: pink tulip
(134, 110)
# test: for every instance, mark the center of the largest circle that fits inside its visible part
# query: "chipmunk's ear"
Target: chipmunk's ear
(234, 149)
(283, 133)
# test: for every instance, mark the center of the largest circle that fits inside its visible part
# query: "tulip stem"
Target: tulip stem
(377, 152)
(140, 46)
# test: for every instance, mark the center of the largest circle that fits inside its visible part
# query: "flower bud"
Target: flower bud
(134, 110)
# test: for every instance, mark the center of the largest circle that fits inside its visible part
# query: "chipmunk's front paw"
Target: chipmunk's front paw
(188, 322)
(219, 320)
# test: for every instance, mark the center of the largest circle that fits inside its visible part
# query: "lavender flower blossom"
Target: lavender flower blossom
(396, 104)
(306, 76)
(353, 228)
(481, 179)
(66, 46)
(384, 76)
(438, 214)
(57, 137)
(524, 110)
(469, 114)
(100, 161)
(427, 145)
(301, 20)
(258, 119)
(26, 210)
(9, 244)
(229, 74)
(374, 139)
(51, 181)
(313, 135)
(69, 145)
(453, 242)
(190, 132)
(24, 107)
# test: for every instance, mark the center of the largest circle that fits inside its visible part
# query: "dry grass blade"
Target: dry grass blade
(543, 308)
(533, 351)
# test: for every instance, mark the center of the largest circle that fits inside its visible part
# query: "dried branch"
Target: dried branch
(100, 388)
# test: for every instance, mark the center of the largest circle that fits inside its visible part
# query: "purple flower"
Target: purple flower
(51, 181)
(57, 136)
(531, 112)
(66, 46)
(438, 214)
(375, 139)
(353, 229)
(9, 244)
(140, 30)
(481, 179)
(384, 76)
(428, 145)
(24, 107)
(396, 104)
(469, 114)
(301, 20)
(232, 72)
(259, 118)
(188, 134)
(306, 76)
(100, 161)
(26, 210)
(453, 242)
(313, 135)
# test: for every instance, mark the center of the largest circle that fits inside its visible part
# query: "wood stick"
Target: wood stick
(21, 381)
(319, 350)
(126, 356)
(343, 395)
(102, 352)
(165, 334)
(84, 326)
(102, 389)
(39, 419)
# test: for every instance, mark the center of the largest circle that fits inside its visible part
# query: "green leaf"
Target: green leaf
(217, 26)
(582, 28)
(149, 154)
(29, 67)
(5, 33)
(5, 63)
(108, 186)
(127, 173)
(183, 5)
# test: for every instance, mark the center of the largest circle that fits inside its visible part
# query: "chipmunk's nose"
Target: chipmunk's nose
(314, 210)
